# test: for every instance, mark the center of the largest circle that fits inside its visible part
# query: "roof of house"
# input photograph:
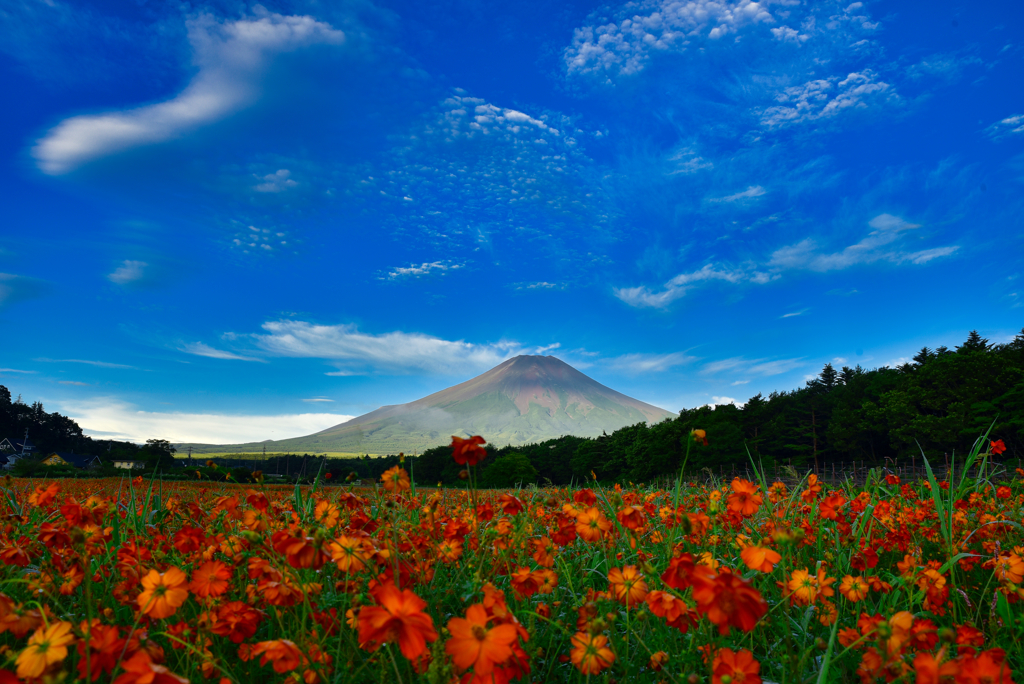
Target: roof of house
(77, 460)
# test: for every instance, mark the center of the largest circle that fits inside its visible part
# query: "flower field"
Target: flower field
(140, 582)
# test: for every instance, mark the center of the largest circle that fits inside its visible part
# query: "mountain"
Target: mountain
(525, 399)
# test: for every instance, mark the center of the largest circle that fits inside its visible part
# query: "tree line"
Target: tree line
(940, 402)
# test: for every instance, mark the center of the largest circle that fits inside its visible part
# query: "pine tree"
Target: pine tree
(924, 356)
(974, 343)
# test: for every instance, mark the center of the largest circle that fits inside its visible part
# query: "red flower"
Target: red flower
(468, 451)
(997, 447)
(398, 617)
(728, 601)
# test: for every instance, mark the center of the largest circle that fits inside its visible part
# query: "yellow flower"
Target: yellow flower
(47, 646)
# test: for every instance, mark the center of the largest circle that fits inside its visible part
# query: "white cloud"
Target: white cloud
(750, 193)
(624, 46)
(877, 246)
(739, 382)
(649, 363)
(98, 364)
(111, 418)
(1011, 125)
(793, 314)
(764, 367)
(722, 401)
(200, 349)
(642, 296)
(824, 98)
(317, 400)
(128, 272)
(415, 271)
(73, 382)
(278, 181)
(789, 35)
(231, 57)
(356, 352)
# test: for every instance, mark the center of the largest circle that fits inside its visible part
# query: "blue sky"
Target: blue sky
(229, 221)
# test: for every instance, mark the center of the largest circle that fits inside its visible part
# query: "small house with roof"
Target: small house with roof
(82, 461)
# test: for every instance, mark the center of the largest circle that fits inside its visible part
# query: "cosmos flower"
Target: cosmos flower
(163, 593)
(398, 617)
(47, 646)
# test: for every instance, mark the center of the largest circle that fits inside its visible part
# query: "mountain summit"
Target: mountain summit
(525, 399)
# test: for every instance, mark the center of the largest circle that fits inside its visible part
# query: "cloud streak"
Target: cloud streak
(677, 287)
(201, 349)
(114, 419)
(356, 352)
(231, 57)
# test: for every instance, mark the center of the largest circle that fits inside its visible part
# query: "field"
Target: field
(259, 456)
(141, 582)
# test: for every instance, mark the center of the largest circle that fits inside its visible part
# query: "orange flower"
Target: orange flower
(48, 645)
(468, 451)
(931, 670)
(163, 593)
(104, 645)
(728, 601)
(284, 654)
(699, 436)
(1010, 569)
(657, 661)
(210, 579)
(349, 553)
(989, 667)
(997, 447)
(591, 525)
(399, 616)
(760, 558)
(627, 585)
(802, 587)
(140, 669)
(854, 588)
(744, 499)
(631, 518)
(730, 667)
(524, 583)
(590, 653)
(395, 479)
(473, 644)
(237, 621)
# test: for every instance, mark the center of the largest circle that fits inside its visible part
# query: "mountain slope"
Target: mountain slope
(525, 399)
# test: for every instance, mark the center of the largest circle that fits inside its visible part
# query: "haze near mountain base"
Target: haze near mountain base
(525, 399)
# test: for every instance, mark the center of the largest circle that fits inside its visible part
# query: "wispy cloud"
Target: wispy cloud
(128, 272)
(73, 382)
(750, 193)
(793, 314)
(649, 363)
(1010, 126)
(112, 418)
(98, 364)
(356, 352)
(317, 400)
(414, 270)
(231, 57)
(879, 245)
(677, 287)
(202, 349)
(15, 370)
(740, 364)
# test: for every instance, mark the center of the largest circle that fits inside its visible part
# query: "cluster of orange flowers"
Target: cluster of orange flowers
(142, 583)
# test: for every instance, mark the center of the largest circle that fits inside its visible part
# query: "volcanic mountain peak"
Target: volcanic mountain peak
(524, 399)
